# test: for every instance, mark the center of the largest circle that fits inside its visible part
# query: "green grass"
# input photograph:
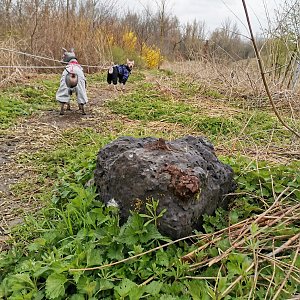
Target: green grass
(96, 77)
(213, 93)
(152, 107)
(75, 230)
(24, 100)
(136, 76)
(146, 103)
(189, 89)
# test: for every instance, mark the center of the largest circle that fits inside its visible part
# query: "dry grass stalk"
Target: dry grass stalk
(242, 233)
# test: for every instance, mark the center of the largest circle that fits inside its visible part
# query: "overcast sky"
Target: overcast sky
(214, 12)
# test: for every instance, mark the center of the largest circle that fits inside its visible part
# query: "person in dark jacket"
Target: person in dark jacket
(120, 73)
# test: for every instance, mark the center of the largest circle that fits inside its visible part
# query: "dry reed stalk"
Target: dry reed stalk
(240, 231)
(283, 246)
(288, 274)
(217, 76)
(262, 72)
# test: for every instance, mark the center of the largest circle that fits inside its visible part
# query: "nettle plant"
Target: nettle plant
(76, 248)
(83, 234)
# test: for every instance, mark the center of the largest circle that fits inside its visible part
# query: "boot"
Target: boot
(62, 112)
(81, 107)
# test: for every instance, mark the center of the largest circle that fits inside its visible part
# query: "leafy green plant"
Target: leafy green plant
(152, 209)
(76, 248)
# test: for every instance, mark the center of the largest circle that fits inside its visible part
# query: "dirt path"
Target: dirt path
(39, 132)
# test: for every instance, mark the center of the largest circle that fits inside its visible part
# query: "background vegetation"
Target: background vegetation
(68, 244)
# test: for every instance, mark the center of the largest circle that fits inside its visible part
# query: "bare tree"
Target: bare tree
(5, 14)
(194, 36)
(226, 42)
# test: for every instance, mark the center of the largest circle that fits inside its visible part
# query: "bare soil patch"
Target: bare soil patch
(39, 132)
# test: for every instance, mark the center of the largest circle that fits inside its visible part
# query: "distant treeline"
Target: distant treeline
(102, 31)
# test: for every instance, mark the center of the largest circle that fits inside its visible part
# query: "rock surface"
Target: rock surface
(184, 175)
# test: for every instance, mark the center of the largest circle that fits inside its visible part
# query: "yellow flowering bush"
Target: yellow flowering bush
(129, 40)
(151, 56)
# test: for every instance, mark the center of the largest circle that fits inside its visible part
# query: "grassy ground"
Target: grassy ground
(73, 246)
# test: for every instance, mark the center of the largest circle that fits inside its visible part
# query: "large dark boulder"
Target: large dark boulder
(184, 175)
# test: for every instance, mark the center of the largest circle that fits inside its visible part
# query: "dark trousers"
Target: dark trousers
(113, 77)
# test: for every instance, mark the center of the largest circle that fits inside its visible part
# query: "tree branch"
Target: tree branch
(262, 72)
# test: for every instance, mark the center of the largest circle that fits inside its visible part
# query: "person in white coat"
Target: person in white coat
(72, 81)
